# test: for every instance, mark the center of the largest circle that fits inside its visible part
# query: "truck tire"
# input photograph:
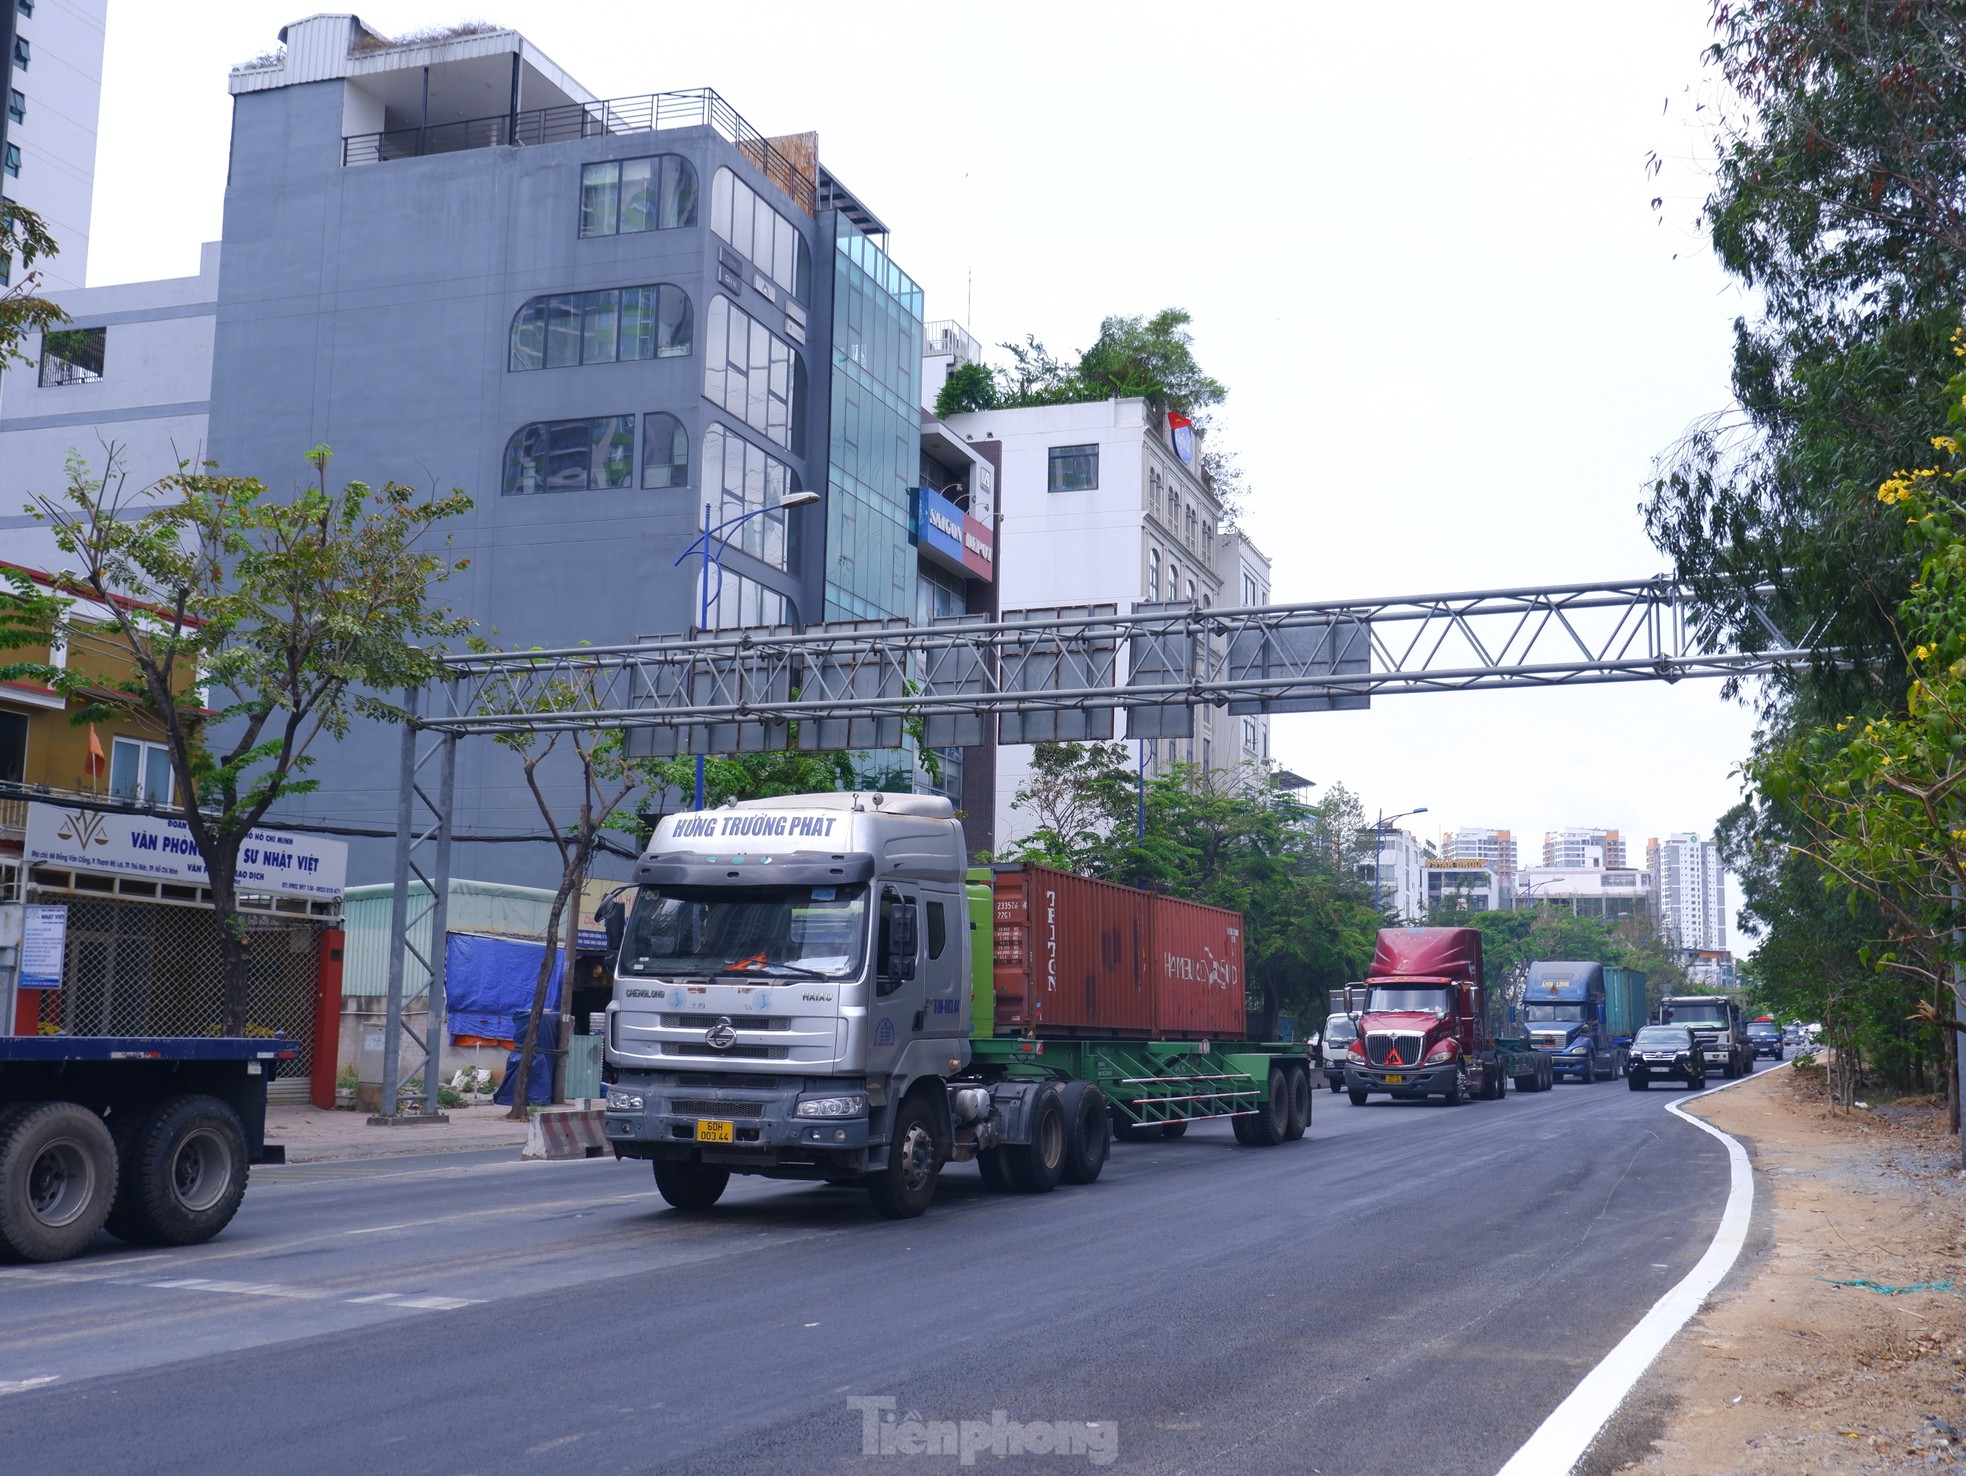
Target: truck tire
(1126, 1130)
(1546, 1070)
(996, 1173)
(1452, 1096)
(57, 1180)
(1088, 1138)
(1526, 1082)
(1300, 1102)
(690, 1187)
(1269, 1124)
(1337, 1084)
(1590, 1069)
(903, 1189)
(1359, 1095)
(181, 1171)
(1037, 1166)
(1498, 1082)
(1637, 1080)
(1174, 1129)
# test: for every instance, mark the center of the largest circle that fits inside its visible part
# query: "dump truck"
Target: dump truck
(148, 1137)
(1430, 1028)
(808, 988)
(1583, 1016)
(1344, 1003)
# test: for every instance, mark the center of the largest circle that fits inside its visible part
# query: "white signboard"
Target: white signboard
(43, 946)
(161, 849)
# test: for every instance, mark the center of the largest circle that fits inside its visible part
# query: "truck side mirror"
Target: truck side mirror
(614, 922)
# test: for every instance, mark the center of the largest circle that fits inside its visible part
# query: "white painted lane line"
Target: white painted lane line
(1562, 1439)
(418, 1300)
(21, 1386)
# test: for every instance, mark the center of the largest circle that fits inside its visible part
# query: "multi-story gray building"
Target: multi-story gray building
(607, 320)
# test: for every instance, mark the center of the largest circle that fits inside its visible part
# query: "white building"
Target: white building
(1588, 890)
(1399, 879)
(1099, 508)
(1469, 885)
(1243, 572)
(52, 64)
(1582, 847)
(1692, 890)
(133, 368)
(1494, 848)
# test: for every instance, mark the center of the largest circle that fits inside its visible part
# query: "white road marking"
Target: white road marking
(1561, 1440)
(18, 1386)
(420, 1301)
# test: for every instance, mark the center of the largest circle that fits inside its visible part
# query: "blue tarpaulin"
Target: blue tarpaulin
(488, 980)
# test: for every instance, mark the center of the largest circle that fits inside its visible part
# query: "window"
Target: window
(140, 772)
(571, 456)
(1153, 574)
(72, 355)
(938, 928)
(1074, 469)
(741, 218)
(21, 53)
(26, 7)
(16, 105)
(665, 451)
(753, 374)
(1153, 490)
(1191, 591)
(1191, 525)
(622, 323)
(13, 160)
(629, 196)
(739, 478)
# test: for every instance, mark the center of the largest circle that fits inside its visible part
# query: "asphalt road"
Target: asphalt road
(1411, 1288)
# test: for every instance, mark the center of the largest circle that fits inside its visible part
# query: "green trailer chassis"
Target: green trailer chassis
(1150, 1082)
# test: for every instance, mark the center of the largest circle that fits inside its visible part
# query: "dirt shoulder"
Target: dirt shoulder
(1784, 1371)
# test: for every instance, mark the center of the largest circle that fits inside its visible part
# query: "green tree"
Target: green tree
(968, 387)
(1079, 796)
(1152, 359)
(24, 240)
(253, 628)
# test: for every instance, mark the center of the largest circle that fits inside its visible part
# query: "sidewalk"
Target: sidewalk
(311, 1135)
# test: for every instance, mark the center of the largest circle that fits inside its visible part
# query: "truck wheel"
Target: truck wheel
(1300, 1103)
(1526, 1083)
(1087, 1139)
(1337, 1084)
(1590, 1069)
(1037, 1166)
(1359, 1095)
(1174, 1129)
(1637, 1080)
(57, 1180)
(1452, 1096)
(1500, 1086)
(902, 1190)
(690, 1186)
(1547, 1071)
(1269, 1124)
(1126, 1130)
(996, 1173)
(183, 1169)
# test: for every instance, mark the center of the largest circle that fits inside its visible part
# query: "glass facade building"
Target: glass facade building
(875, 445)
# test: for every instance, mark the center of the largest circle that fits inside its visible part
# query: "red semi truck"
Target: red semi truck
(1429, 1027)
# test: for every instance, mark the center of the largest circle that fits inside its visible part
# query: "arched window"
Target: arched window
(665, 451)
(627, 196)
(652, 321)
(570, 456)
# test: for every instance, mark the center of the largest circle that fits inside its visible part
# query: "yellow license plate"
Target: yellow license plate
(715, 1132)
(1395, 1081)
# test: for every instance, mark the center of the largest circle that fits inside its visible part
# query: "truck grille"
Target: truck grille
(702, 1048)
(696, 1107)
(1393, 1048)
(742, 1022)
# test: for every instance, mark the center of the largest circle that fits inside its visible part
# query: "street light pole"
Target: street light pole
(1379, 845)
(712, 548)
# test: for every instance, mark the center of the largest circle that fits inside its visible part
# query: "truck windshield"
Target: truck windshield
(1552, 1012)
(773, 932)
(1339, 1029)
(1439, 999)
(1697, 1014)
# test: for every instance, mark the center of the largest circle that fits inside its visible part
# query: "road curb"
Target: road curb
(1563, 1439)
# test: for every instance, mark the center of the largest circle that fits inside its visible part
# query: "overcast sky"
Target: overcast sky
(1417, 242)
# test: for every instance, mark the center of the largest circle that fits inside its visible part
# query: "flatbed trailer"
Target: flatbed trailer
(1155, 1088)
(149, 1137)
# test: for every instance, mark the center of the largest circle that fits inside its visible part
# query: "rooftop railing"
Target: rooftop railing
(702, 108)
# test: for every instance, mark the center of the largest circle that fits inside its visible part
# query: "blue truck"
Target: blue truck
(1582, 1015)
(148, 1137)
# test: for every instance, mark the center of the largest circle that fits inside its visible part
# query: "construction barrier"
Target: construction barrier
(565, 1132)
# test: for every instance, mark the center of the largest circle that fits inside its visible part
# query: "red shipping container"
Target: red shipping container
(1198, 971)
(1071, 955)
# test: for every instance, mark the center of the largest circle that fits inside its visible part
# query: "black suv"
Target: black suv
(1766, 1038)
(1666, 1051)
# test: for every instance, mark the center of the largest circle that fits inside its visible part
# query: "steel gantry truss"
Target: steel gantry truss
(1026, 676)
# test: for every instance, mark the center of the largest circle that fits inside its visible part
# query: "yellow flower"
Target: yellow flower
(1921, 653)
(1946, 444)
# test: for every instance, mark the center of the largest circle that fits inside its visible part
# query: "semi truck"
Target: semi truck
(1430, 1028)
(807, 989)
(1715, 1020)
(150, 1138)
(1583, 1015)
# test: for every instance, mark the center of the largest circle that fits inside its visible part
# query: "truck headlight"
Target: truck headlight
(620, 1101)
(1442, 1052)
(1579, 1048)
(850, 1104)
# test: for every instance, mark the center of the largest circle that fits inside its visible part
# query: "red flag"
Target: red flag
(1182, 430)
(95, 753)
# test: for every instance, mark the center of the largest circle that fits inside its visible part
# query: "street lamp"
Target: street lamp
(712, 549)
(1379, 845)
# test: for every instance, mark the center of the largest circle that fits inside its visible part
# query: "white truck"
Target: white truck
(794, 997)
